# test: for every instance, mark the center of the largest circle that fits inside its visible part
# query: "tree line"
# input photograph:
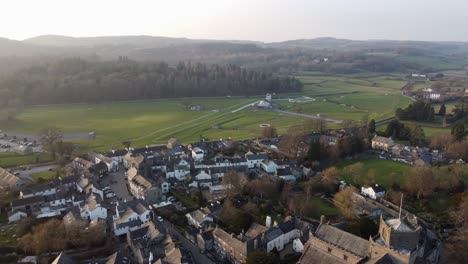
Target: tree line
(74, 80)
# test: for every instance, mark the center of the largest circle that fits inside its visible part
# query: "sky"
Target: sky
(261, 20)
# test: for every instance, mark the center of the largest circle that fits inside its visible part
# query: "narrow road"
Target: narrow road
(335, 121)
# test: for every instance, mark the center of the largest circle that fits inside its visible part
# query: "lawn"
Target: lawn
(46, 175)
(387, 172)
(9, 159)
(320, 207)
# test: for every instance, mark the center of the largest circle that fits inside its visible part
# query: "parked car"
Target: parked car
(160, 219)
(110, 195)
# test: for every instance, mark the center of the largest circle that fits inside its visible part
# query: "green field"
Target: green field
(9, 159)
(320, 207)
(387, 172)
(153, 122)
(46, 175)
(350, 98)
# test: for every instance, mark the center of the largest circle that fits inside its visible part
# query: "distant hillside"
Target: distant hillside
(134, 41)
(344, 56)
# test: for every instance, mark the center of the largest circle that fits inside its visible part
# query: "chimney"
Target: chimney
(268, 221)
(232, 235)
(275, 223)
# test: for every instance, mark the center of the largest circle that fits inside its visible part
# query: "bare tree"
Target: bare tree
(234, 181)
(441, 141)
(329, 179)
(455, 249)
(343, 200)
(420, 181)
(458, 150)
(48, 136)
(292, 142)
(269, 132)
(315, 125)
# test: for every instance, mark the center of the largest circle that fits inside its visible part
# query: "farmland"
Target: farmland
(154, 121)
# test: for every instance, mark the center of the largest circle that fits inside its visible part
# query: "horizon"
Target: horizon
(262, 20)
(247, 40)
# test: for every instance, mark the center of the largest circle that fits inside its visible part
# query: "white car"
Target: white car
(160, 219)
(110, 195)
(107, 188)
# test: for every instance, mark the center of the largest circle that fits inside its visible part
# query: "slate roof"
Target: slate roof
(72, 215)
(117, 258)
(240, 248)
(63, 259)
(198, 216)
(283, 172)
(116, 153)
(38, 188)
(126, 209)
(101, 166)
(287, 226)
(256, 157)
(343, 240)
(148, 231)
(26, 201)
(382, 259)
(132, 223)
(273, 233)
(378, 188)
(142, 182)
(7, 179)
(398, 225)
(313, 255)
(255, 230)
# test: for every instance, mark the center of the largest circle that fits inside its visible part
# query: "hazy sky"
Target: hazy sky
(264, 20)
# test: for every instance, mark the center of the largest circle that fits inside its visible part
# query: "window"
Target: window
(345, 257)
(329, 250)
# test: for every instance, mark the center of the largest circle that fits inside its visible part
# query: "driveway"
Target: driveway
(118, 184)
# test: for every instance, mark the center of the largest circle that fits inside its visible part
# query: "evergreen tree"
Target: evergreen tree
(314, 151)
(417, 136)
(442, 110)
(458, 131)
(371, 127)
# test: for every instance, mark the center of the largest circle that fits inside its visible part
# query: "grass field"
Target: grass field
(153, 122)
(350, 98)
(8, 159)
(387, 172)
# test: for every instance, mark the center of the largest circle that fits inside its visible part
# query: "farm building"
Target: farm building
(382, 143)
